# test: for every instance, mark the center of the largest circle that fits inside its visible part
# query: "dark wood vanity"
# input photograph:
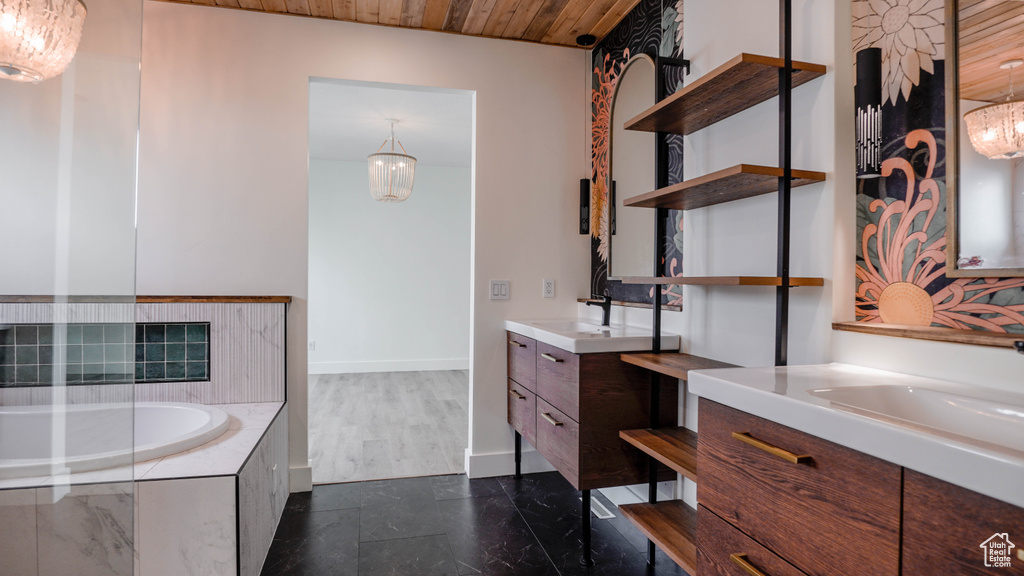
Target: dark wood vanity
(571, 407)
(785, 503)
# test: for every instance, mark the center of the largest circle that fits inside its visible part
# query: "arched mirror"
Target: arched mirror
(632, 172)
(985, 137)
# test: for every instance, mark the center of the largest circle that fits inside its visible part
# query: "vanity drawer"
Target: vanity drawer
(522, 360)
(945, 526)
(522, 411)
(835, 512)
(719, 543)
(558, 440)
(558, 379)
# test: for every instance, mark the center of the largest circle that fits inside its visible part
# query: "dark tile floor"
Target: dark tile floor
(450, 525)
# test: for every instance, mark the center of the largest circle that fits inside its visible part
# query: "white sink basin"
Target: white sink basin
(965, 418)
(583, 337)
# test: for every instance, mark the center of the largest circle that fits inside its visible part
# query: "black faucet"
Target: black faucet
(606, 308)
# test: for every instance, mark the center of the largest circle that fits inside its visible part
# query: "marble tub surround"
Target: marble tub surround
(81, 530)
(935, 439)
(206, 524)
(223, 456)
(220, 525)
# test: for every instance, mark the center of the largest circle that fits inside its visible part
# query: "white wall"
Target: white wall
(223, 172)
(67, 155)
(388, 283)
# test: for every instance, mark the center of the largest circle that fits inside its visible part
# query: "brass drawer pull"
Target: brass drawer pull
(548, 417)
(773, 450)
(547, 356)
(514, 343)
(742, 562)
(518, 396)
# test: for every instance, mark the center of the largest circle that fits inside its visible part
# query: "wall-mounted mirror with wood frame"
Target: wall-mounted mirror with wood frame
(985, 137)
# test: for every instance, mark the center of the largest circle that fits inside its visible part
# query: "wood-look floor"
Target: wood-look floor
(387, 425)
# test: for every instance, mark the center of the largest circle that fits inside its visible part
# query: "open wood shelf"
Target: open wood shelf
(722, 280)
(744, 81)
(673, 447)
(672, 525)
(674, 364)
(976, 337)
(735, 183)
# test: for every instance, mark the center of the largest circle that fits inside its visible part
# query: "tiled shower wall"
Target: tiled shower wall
(245, 351)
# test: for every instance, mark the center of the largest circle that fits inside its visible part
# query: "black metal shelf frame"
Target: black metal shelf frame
(783, 233)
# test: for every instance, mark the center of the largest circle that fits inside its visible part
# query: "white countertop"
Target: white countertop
(582, 337)
(780, 394)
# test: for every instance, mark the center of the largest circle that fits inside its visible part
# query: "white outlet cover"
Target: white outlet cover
(548, 288)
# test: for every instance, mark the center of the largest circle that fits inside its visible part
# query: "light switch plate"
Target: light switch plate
(549, 288)
(500, 290)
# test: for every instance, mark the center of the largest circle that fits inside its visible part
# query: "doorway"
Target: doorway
(389, 283)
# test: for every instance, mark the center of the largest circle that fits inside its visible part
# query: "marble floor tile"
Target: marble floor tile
(488, 536)
(322, 543)
(421, 556)
(326, 497)
(402, 508)
(453, 525)
(455, 486)
(388, 425)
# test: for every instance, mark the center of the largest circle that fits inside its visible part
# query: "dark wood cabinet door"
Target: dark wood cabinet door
(522, 360)
(558, 374)
(718, 543)
(558, 440)
(836, 513)
(952, 530)
(522, 411)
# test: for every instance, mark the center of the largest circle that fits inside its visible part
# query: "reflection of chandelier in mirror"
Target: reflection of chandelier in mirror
(391, 173)
(38, 38)
(997, 130)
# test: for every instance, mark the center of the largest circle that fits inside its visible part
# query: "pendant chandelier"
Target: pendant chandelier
(997, 130)
(38, 38)
(391, 173)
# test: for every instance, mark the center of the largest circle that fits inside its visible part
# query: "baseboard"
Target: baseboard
(504, 464)
(300, 478)
(389, 366)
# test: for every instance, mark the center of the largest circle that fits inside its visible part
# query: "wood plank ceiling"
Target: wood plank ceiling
(991, 32)
(546, 21)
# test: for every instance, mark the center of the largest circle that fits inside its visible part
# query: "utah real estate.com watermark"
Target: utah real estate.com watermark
(998, 551)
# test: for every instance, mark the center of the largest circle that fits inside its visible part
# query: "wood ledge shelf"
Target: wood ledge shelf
(734, 183)
(722, 281)
(740, 83)
(646, 305)
(675, 365)
(672, 525)
(673, 447)
(975, 337)
(48, 299)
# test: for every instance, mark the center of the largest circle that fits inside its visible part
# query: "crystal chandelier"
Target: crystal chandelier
(391, 173)
(38, 38)
(997, 130)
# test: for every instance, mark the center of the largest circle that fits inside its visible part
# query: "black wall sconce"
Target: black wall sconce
(584, 206)
(868, 100)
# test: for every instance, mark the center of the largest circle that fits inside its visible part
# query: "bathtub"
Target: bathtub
(96, 436)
